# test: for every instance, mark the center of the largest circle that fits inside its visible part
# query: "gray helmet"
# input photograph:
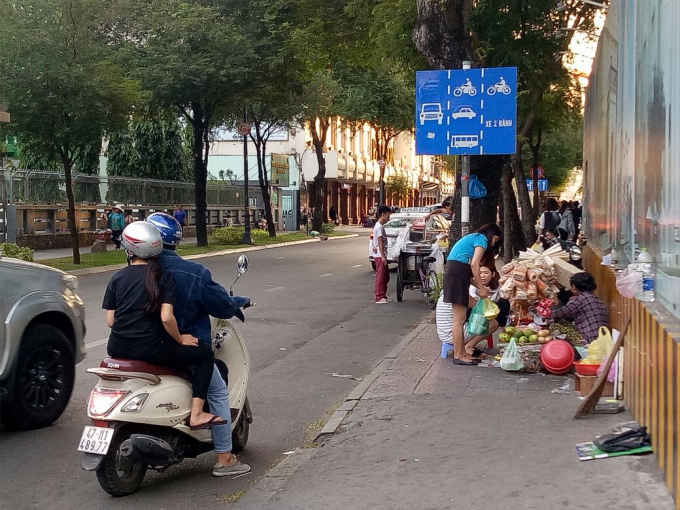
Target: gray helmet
(142, 240)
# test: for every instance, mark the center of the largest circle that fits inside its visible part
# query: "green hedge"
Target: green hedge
(16, 252)
(234, 235)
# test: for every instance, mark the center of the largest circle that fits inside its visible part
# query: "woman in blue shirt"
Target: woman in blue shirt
(463, 263)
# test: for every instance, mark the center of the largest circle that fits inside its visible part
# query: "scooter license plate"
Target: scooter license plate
(95, 440)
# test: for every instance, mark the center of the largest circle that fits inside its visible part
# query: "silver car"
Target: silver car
(41, 340)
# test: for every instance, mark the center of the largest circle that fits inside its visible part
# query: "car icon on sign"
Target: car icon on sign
(464, 112)
(431, 111)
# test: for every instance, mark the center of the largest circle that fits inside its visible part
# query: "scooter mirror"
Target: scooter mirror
(242, 264)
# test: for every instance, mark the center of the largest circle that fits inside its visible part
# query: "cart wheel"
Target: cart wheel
(400, 289)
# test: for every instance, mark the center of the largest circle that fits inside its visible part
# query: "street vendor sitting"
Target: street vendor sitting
(444, 311)
(585, 309)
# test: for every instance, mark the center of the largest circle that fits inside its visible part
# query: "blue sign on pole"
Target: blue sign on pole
(542, 185)
(466, 111)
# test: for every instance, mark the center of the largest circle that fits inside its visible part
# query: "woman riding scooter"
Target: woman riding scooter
(139, 303)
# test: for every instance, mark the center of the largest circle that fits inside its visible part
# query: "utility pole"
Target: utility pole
(244, 129)
(464, 185)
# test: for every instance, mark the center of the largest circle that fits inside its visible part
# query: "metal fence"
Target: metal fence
(48, 187)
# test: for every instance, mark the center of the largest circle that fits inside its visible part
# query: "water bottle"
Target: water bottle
(647, 284)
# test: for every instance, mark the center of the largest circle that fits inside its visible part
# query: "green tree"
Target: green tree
(398, 185)
(152, 149)
(191, 56)
(64, 90)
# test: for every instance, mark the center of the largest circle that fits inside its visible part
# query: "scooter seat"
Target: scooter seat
(131, 365)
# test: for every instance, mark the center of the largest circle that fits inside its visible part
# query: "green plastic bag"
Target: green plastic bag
(478, 324)
(511, 360)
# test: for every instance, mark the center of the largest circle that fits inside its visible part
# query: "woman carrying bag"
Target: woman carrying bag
(463, 263)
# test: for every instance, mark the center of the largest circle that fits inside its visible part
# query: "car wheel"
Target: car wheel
(43, 378)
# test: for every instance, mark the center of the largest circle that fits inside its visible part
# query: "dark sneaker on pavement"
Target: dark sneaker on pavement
(237, 468)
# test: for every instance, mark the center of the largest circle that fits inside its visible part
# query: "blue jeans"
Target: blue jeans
(218, 400)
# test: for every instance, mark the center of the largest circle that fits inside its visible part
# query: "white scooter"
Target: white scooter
(140, 413)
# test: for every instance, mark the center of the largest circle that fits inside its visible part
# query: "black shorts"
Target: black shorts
(457, 280)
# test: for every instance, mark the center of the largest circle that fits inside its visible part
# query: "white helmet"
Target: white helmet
(142, 240)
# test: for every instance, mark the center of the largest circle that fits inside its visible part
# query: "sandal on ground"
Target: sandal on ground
(472, 363)
(212, 422)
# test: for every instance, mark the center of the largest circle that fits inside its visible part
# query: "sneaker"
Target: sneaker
(237, 468)
(383, 301)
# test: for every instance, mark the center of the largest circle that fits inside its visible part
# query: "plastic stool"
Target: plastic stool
(445, 349)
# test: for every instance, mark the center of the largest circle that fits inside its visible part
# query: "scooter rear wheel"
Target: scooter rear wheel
(239, 437)
(117, 475)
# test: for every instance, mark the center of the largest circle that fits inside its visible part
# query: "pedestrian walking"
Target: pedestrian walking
(333, 215)
(550, 218)
(576, 212)
(566, 228)
(116, 224)
(382, 268)
(463, 263)
(181, 216)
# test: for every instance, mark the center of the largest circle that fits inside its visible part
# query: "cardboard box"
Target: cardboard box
(584, 385)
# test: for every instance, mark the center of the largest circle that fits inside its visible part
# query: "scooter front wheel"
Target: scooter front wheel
(117, 475)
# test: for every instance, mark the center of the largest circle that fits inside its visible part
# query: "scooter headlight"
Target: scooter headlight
(575, 253)
(136, 403)
(102, 401)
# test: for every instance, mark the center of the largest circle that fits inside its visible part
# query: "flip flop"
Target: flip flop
(457, 361)
(209, 424)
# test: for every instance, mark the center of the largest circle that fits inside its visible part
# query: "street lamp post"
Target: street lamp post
(244, 129)
(464, 185)
(298, 162)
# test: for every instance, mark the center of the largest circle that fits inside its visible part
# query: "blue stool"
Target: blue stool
(445, 349)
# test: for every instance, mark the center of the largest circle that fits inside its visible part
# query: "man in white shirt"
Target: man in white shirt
(382, 269)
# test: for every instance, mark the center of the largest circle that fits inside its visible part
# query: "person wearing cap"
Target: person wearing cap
(116, 224)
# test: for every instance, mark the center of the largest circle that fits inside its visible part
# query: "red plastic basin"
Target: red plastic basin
(585, 368)
(558, 356)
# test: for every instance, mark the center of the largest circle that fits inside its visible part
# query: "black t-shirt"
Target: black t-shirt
(135, 334)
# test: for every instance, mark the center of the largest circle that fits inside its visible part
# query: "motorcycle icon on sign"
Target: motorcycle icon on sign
(465, 88)
(500, 87)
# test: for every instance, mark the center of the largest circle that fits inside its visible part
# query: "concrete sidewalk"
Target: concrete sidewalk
(426, 434)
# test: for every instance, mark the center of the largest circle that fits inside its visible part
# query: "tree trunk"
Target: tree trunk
(261, 152)
(199, 152)
(71, 210)
(318, 141)
(528, 219)
(535, 165)
(442, 33)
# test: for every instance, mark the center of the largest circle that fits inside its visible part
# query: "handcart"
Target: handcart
(414, 271)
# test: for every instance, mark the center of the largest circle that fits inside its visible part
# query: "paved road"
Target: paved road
(314, 301)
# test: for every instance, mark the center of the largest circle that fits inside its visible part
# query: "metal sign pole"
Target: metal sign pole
(464, 185)
(244, 129)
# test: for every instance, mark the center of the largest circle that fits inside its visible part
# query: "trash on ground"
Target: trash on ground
(523, 380)
(345, 376)
(567, 387)
(282, 349)
(420, 360)
(290, 452)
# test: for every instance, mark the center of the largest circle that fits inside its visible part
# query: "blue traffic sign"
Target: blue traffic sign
(466, 111)
(542, 184)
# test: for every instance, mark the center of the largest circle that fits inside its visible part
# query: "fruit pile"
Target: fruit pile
(528, 335)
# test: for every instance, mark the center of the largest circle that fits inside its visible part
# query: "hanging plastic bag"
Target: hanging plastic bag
(438, 254)
(511, 360)
(401, 241)
(628, 284)
(611, 376)
(476, 188)
(599, 348)
(490, 309)
(478, 324)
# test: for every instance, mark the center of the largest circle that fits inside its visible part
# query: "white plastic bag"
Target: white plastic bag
(438, 264)
(628, 283)
(511, 360)
(401, 241)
